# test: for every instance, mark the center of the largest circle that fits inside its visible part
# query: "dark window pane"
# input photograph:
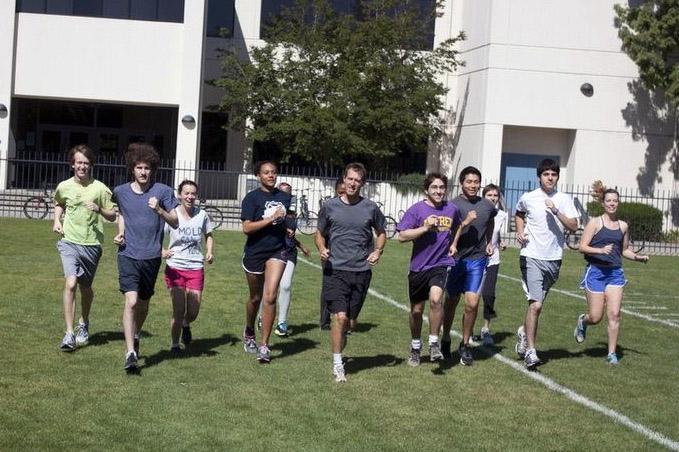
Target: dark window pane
(60, 7)
(90, 8)
(116, 9)
(31, 6)
(76, 138)
(213, 137)
(171, 10)
(66, 113)
(219, 15)
(110, 116)
(270, 10)
(143, 9)
(427, 10)
(51, 141)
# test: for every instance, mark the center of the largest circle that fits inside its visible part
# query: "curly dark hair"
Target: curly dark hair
(142, 153)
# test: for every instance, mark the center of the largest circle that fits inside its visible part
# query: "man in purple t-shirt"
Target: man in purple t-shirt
(429, 224)
(145, 206)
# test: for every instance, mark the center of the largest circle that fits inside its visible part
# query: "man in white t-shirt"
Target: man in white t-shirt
(541, 216)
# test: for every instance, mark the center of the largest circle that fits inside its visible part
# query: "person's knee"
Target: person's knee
(614, 317)
(70, 283)
(341, 317)
(471, 303)
(594, 318)
(535, 307)
(417, 309)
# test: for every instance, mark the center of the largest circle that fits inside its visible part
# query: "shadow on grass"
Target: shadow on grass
(303, 328)
(600, 350)
(198, 348)
(355, 365)
(294, 346)
(362, 327)
(104, 337)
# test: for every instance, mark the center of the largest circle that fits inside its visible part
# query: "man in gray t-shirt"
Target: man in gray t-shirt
(345, 242)
(471, 256)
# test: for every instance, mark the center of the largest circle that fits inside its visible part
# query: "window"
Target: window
(64, 7)
(90, 8)
(116, 9)
(31, 6)
(273, 8)
(220, 14)
(143, 10)
(155, 10)
(171, 10)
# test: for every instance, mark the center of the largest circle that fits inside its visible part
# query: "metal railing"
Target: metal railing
(222, 190)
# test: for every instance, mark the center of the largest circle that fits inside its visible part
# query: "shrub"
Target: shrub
(645, 221)
(409, 183)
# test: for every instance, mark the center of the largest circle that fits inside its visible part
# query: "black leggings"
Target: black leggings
(488, 292)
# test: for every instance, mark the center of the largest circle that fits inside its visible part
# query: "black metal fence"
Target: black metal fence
(30, 179)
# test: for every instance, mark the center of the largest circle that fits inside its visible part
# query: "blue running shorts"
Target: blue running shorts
(466, 276)
(596, 279)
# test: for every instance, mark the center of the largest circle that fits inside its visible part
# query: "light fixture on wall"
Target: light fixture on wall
(188, 120)
(3, 110)
(587, 89)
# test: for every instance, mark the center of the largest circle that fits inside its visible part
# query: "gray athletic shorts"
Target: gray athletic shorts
(80, 261)
(538, 276)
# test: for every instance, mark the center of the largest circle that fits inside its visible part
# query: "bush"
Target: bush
(645, 222)
(409, 183)
(671, 236)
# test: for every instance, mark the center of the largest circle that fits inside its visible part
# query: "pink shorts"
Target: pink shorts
(185, 279)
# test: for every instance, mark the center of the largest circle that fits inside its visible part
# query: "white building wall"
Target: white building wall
(526, 61)
(124, 61)
(6, 78)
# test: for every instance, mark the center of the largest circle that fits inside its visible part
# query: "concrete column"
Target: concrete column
(491, 154)
(187, 156)
(8, 33)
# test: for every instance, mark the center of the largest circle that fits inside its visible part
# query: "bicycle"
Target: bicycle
(573, 240)
(37, 207)
(307, 220)
(390, 223)
(214, 212)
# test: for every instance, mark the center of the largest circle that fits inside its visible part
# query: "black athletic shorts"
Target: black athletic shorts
(256, 264)
(345, 291)
(135, 275)
(419, 283)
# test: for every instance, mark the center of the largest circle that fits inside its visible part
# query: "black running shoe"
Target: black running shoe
(466, 358)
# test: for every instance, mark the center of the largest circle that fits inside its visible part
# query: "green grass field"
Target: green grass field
(217, 397)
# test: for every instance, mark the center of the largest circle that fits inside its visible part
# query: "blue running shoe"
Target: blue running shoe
(580, 331)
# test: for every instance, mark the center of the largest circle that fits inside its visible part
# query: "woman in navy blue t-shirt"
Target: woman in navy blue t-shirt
(265, 254)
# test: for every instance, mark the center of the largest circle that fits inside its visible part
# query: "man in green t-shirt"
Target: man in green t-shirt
(83, 201)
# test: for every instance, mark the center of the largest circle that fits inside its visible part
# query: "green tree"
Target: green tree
(650, 36)
(326, 87)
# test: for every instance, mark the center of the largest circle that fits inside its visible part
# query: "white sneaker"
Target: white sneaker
(82, 334)
(521, 342)
(338, 373)
(531, 360)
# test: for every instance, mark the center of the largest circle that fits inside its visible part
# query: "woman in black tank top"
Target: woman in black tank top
(604, 242)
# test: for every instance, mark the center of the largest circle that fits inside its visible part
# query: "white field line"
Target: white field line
(626, 311)
(549, 383)
(651, 308)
